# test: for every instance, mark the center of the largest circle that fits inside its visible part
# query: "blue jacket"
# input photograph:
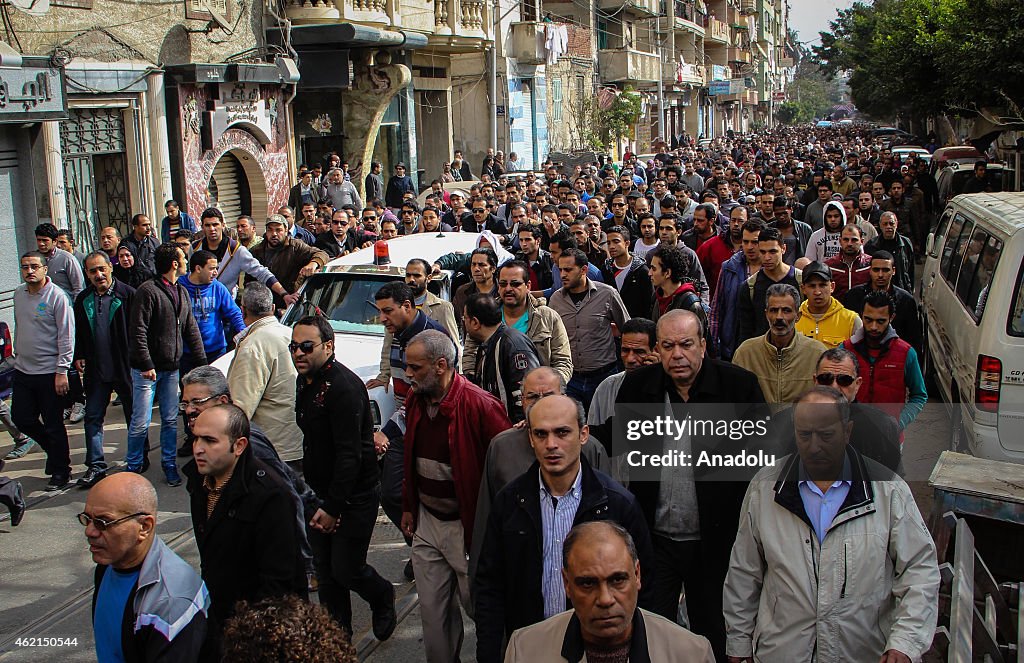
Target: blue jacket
(185, 222)
(724, 310)
(212, 307)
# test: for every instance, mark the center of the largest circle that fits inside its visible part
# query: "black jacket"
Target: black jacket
(248, 548)
(159, 328)
(120, 316)
(721, 391)
(907, 323)
(374, 187)
(295, 196)
(637, 292)
(397, 186)
(501, 364)
(543, 269)
(507, 587)
(902, 250)
(339, 459)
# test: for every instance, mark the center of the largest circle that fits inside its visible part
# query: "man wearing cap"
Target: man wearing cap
(822, 317)
(288, 260)
(398, 184)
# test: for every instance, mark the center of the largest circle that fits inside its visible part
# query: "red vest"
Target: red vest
(884, 384)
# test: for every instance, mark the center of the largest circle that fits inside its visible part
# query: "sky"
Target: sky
(809, 17)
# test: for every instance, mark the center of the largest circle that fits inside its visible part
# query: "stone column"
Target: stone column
(55, 174)
(373, 88)
(159, 150)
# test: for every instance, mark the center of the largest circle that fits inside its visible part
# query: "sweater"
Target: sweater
(212, 307)
(44, 330)
(160, 328)
(66, 272)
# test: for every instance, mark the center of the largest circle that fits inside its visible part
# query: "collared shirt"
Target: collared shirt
(103, 349)
(588, 324)
(214, 492)
(522, 323)
(820, 507)
(556, 515)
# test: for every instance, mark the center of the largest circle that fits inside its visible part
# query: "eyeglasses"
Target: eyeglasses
(618, 204)
(369, 218)
(337, 222)
(826, 379)
(195, 402)
(103, 525)
(306, 346)
(510, 284)
(479, 210)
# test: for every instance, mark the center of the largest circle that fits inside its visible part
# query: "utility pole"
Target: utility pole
(661, 74)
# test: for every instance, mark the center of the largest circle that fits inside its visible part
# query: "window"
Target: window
(556, 99)
(941, 230)
(1015, 325)
(979, 265)
(956, 245)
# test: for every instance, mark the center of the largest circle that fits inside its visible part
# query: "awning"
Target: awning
(347, 35)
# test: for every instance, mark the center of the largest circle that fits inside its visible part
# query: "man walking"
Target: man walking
(142, 242)
(752, 297)
(374, 183)
(544, 327)
(588, 310)
(852, 267)
(213, 308)
(822, 317)
(102, 321)
(332, 409)
(44, 335)
(906, 322)
(899, 246)
(724, 319)
(161, 325)
(450, 422)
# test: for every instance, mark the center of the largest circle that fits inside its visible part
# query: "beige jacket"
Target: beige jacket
(437, 310)
(546, 330)
(871, 585)
(262, 382)
(783, 374)
(667, 642)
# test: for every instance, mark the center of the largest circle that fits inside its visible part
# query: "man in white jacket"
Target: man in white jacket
(262, 377)
(832, 561)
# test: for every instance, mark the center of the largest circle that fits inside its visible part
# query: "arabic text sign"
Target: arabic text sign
(31, 93)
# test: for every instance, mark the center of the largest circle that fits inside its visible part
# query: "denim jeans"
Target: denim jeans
(97, 398)
(164, 390)
(583, 385)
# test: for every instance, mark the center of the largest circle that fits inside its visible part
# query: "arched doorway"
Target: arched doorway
(237, 186)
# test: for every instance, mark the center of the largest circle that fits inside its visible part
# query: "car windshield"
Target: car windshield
(345, 299)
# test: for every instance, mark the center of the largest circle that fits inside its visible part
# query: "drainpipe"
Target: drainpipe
(493, 66)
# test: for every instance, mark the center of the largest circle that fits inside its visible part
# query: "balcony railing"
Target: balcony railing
(717, 31)
(456, 18)
(739, 55)
(643, 7)
(679, 73)
(626, 65)
(527, 43)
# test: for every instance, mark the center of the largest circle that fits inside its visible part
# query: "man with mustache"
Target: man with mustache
(782, 360)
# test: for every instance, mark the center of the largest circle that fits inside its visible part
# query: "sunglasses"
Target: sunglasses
(510, 284)
(826, 379)
(306, 346)
(101, 524)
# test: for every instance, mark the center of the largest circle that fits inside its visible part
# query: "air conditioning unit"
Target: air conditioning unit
(748, 7)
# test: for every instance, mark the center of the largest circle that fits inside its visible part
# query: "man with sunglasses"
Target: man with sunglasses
(875, 434)
(141, 586)
(333, 410)
(101, 344)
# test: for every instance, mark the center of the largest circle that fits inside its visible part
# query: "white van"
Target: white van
(972, 305)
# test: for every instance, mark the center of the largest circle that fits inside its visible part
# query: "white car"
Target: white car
(344, 291)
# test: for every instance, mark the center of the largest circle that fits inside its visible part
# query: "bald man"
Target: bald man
(148, 603)
(518, 579)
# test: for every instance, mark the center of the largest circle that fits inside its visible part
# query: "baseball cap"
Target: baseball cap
(818, 269)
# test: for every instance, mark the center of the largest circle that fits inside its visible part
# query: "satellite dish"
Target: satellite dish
(218, 18)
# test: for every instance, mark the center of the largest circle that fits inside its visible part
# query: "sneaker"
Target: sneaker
(172, 476)
(136, 469)
(91, 478)
(20, 449)
(67, 413)
(145, 465)
(58, 482)
(77, 413)
(384, 618)
(409, 574)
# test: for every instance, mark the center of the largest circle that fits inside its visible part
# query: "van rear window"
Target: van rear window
(1015, 325)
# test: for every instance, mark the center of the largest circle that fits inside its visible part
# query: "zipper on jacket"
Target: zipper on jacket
(846, 570)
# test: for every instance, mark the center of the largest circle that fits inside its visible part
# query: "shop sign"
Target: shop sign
(31, 94)
(239, 104)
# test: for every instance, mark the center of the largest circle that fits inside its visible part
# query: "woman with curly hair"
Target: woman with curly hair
(285, 630)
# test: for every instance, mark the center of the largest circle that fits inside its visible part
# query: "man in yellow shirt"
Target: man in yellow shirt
(822, 317)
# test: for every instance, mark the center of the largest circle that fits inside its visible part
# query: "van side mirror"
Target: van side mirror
(929, 244)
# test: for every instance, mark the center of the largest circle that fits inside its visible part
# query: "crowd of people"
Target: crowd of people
(759, 277)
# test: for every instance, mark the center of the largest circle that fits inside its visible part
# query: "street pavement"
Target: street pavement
(46, 571)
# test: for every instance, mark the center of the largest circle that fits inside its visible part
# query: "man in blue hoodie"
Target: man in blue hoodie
(214, 310)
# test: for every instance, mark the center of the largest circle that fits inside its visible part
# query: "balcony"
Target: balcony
(628, 66)
(640, 7)
(527, 43)
(717, 31)
(740, 55)
(688, 18)
(460, 25)
(677, 73)
(748, 7)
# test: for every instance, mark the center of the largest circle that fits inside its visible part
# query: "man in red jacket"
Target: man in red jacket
(852, 267)
(449, 423)
(722, 246)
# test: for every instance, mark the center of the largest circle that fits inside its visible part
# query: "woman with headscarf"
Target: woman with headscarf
(127, 269)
